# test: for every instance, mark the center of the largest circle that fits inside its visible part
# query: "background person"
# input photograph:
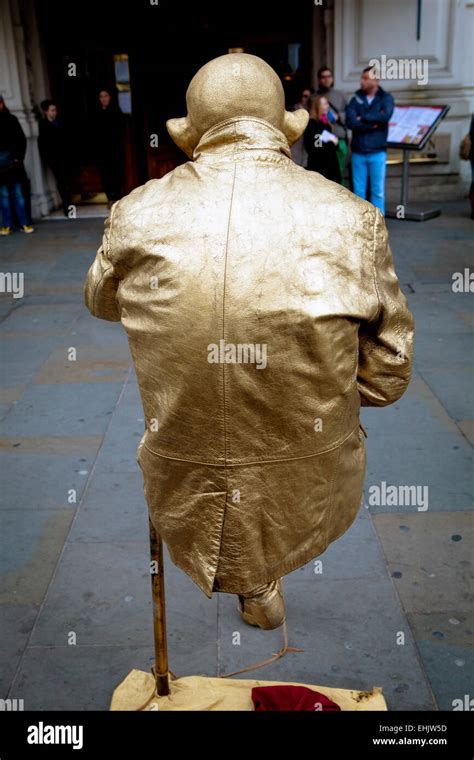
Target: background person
(337, 112)
(304, 100)
(298, 151)
(12, 172)
(367, 115)
(471, 159)
(55, 151)
(109, 138)
(320, 142)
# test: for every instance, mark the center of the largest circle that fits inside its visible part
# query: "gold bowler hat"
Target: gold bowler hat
(232, 85)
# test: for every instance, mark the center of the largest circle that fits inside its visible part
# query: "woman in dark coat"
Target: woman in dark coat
(110, 145)
(12, 172)
(319, 141)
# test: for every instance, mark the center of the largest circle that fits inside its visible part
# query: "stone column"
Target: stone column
(23, 84)
(322, 37)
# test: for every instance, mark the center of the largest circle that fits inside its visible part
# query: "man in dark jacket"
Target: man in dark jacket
(368, 115)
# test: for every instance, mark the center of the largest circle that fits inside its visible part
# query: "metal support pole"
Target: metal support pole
(159, 613)
(404, 211)
(406, 159)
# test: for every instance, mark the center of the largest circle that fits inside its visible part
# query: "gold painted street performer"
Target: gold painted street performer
(262, 310)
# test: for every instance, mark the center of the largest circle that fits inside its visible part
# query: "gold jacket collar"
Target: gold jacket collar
(243, 138)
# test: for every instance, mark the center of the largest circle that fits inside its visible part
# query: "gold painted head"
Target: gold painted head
(236, 84)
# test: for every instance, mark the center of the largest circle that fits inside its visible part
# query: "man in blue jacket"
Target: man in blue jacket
(368, 115)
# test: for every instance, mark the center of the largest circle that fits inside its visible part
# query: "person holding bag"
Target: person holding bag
(320, 142)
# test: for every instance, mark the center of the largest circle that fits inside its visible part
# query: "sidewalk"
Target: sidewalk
(391, 607)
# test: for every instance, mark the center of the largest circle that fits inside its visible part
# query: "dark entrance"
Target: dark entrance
(166, 42)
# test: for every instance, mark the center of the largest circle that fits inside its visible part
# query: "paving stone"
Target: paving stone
(31, 544)
(429, 555)
(397, 573)
(16, 623)
(38, 478)
(78, 409)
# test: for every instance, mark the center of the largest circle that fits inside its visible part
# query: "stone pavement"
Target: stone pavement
(392, 604)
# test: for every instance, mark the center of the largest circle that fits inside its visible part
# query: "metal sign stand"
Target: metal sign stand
(404, 211)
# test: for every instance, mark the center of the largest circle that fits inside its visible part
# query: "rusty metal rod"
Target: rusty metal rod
(159, 612)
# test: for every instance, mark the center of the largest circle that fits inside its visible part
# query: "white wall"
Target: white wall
(365, 29)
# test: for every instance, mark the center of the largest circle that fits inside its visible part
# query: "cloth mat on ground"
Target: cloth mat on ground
(206, 693)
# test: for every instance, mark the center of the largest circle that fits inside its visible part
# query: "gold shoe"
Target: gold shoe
(264, 606)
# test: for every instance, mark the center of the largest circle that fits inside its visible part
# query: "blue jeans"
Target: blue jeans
(19, 202)
(365, 165)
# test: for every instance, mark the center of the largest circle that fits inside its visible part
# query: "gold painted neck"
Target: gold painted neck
(242, 137)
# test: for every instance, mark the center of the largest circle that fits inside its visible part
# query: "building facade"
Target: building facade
(343, 34)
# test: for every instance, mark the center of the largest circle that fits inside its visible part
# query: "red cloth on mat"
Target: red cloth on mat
(290, 697)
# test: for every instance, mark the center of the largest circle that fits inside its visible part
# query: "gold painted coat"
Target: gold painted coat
(262, 309)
